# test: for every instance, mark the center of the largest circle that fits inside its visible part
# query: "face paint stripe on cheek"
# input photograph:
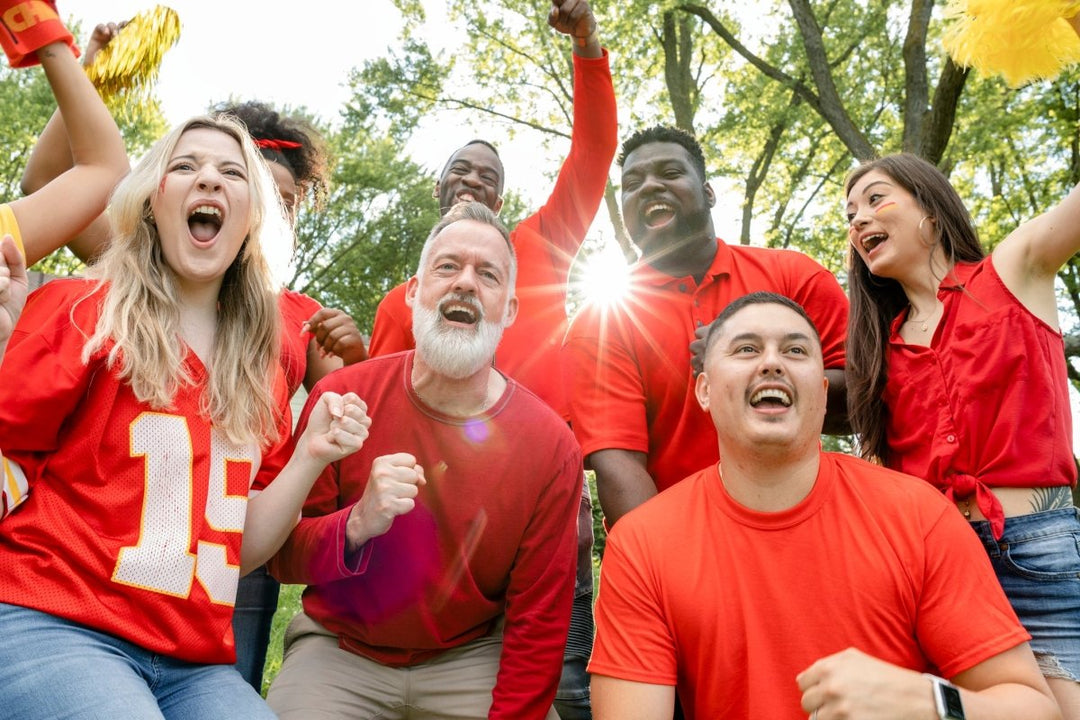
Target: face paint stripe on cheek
(885, 206)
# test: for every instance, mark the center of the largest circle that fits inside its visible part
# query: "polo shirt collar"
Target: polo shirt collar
(646, 274)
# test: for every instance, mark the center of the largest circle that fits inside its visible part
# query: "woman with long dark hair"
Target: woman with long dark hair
(956, 374)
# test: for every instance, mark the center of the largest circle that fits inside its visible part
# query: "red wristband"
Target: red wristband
(26, 26)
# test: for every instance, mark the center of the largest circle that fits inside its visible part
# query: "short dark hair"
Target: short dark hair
(667, 134)
(759, 297)
(489, 146)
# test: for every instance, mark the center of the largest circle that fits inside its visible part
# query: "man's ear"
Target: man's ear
(701, 391)
(498, 205)
(710, 195)
(511, 312)
(412, 285)
(435, 192)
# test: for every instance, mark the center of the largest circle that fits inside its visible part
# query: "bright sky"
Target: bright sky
(257, 50)
(262, 51)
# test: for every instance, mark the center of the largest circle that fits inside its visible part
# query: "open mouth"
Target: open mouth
(872, 241)
(204, 222)
(770, 398)
(658, 214)
(458, 311)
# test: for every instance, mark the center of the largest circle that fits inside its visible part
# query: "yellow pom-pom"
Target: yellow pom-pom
(129, 64)
(1021, 40)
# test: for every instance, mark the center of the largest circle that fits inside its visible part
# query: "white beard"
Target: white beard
(455, 352)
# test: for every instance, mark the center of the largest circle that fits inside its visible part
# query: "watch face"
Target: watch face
(954, 709)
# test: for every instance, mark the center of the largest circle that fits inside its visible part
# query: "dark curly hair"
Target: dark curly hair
(665, 134)
(307, 163)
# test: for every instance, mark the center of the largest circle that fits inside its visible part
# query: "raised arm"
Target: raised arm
(575, 18)
(1028, 259)
(566, 215)
(61, 207)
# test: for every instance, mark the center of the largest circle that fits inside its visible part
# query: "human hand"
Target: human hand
(573, 18)
(392, 487)
(103, 34)
(697, 349)
(337, 427)
(851, 684)
(23, 35)
(336, 334)
(14, 286)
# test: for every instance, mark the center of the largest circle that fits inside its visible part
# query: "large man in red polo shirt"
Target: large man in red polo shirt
(546, 243)
(631, 387)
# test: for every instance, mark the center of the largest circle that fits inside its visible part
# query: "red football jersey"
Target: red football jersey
(134, 515)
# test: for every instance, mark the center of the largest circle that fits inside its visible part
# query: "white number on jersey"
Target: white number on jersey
(162, 561)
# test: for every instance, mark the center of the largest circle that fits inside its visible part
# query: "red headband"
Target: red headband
(279, 145)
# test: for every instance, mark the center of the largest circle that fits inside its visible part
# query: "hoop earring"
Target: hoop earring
(920, 230)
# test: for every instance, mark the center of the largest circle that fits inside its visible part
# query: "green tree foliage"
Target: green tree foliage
(511, 72)
(27, 105)
(367, 237)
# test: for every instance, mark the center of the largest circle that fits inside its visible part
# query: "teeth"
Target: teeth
(771, 393)
(206, 210)
(654, 208)
(453, 308)
(871, 242)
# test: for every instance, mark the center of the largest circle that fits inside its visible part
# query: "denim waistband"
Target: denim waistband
(1025, 527)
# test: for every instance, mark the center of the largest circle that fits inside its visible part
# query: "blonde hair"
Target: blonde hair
(140, 311)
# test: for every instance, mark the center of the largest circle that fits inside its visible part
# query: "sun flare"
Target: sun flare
(605, 277)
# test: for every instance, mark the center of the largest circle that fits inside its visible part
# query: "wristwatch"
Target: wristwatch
(946, 699)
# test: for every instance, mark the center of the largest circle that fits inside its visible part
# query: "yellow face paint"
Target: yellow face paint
(885, 206)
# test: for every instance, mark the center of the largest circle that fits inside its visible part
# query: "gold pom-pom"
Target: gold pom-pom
(1021, 40)
(129, 64)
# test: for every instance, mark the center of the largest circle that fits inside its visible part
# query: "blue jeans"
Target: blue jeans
(253, 616)
(55, 668)
(1037, 561)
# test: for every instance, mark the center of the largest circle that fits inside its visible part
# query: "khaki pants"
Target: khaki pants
(320, 680)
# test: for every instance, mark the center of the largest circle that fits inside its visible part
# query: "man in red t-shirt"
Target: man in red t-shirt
(815, 583)
(631, 383)
(440, 563)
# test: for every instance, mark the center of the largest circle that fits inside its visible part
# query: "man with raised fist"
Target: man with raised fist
(440, 559)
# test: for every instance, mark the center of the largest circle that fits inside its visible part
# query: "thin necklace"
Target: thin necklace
(925, 322)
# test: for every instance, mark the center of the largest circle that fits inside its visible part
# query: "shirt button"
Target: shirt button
(700, 323)
(950, 438)
(682, 287)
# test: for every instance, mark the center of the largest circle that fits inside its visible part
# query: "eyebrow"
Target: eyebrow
(458, 258)
(867, 189)
(197, 157)
(788, 337)
(483, 167)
